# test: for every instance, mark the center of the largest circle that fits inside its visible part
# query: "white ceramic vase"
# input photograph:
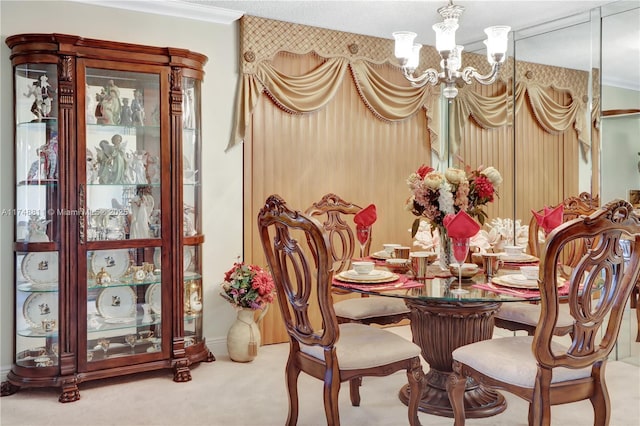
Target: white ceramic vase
(243, 338)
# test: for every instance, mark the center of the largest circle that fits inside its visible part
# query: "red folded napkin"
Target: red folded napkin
(460, 225)
(366, 216)
(550, 218)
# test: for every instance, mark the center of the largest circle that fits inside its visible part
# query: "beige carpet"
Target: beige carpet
(225, 393)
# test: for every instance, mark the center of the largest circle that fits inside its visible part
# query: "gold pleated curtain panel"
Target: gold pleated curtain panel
(338, 116)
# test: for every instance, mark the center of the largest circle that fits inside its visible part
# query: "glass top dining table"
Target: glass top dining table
(442, 321)
(436, 288)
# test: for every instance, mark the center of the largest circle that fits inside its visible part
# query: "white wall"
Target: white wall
(222, 171)
(620, 144)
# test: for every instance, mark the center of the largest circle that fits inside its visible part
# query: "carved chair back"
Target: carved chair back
(337, 216)
(600, 271)
(296, 249)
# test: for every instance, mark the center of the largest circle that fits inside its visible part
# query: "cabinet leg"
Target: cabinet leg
(9, 388)
(181, 372)
(70, 392)
(210, 357)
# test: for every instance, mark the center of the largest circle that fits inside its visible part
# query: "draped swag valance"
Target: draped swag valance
(262, 39)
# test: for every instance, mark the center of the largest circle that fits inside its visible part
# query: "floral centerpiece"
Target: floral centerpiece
(435, 194)
(248, 286)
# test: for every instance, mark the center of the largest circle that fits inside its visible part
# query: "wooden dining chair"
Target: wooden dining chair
(524, 316)
(539, 369)
(336, 216)
(332, 352)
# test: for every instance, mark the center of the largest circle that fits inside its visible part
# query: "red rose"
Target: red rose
(424, 170)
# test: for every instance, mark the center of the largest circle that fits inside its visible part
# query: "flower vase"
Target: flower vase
(243, 338)
(444, 259)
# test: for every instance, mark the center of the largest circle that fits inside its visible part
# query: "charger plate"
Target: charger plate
(375, 277)
(518, 258)
(519, 281)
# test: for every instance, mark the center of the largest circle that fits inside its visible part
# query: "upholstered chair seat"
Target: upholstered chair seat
(361, 346)
(363, 309)
(527, 315)
(510, 360)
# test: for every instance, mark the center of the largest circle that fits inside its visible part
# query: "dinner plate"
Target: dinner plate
(515, 281)
(40, 267)
(40, 307)
(153, 296)
(518, 258)
(376, 276)
(115, 262)
(380, 255)
(116, 302)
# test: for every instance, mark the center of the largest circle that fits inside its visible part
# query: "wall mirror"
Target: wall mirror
(620, 121)
(548, 148)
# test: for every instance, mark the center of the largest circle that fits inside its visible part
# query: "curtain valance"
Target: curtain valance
(262, 39)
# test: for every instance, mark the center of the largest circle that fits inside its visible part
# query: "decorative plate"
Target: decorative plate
(186, 260)
(40, 307)
(117, 302)
(123, 320)
(153, 297)
(518, 258)
(380, 255)
(375, 277)
(115, 262)
(40, 267)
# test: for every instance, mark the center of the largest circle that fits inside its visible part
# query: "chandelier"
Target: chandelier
(408, 54)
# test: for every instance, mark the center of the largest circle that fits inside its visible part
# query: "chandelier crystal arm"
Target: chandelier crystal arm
(430, 76)
(470, 73)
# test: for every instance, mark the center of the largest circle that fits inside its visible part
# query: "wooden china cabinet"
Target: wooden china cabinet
(108, 242)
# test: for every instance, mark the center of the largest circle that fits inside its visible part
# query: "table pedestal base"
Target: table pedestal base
(439, 328)
(478, 401)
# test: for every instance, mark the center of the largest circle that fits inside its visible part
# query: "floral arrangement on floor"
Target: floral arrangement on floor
(248, 286)
(435, 194)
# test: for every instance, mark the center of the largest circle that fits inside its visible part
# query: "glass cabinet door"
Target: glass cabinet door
(124, 256)
(192, 232)
(122, 155)
(37, 216)
(124, 303)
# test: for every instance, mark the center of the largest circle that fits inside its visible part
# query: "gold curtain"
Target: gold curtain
(359, 134)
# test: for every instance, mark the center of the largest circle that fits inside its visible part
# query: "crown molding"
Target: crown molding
(174, 8)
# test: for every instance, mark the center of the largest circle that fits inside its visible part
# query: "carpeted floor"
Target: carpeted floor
(225, 393)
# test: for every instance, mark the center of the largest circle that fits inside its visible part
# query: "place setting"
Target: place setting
(364, 276)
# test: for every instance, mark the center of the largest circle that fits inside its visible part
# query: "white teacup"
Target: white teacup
(362, 267)
(530, 272)
(513, 250)
(389, 248)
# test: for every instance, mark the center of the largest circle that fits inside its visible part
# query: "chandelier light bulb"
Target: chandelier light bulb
(414, 58)
(445, 36)
(497, 41)
(404, 44)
